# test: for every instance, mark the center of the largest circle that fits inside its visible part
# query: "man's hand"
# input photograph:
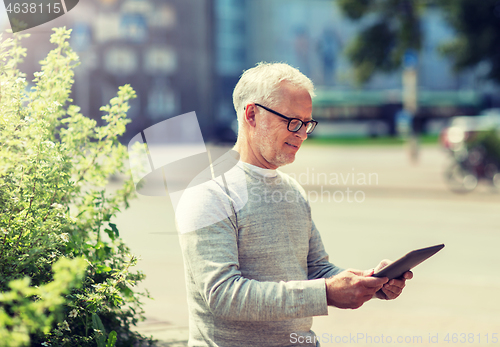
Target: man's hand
(352, 288)
(392, 289)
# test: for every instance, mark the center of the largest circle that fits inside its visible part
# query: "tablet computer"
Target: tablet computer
(407, 262)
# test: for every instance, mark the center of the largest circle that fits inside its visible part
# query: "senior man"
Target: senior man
(256, 268)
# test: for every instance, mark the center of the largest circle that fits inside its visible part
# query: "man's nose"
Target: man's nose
(302, 133)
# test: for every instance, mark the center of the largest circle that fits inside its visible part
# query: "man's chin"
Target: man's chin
(283, 160)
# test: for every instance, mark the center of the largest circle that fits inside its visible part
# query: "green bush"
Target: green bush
(28, 309)
(54, 167)
(489, 140)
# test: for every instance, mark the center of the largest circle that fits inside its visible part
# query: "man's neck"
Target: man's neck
(247, 155)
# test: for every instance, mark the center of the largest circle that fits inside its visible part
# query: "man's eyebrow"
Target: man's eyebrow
(297, 117)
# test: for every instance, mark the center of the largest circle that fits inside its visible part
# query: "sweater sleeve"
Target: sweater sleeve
(211, 260)
(317, 260)
(318, 264)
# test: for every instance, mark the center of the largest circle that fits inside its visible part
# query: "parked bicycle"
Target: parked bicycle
(474, 143)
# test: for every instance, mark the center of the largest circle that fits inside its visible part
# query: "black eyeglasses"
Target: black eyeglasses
(294, 124)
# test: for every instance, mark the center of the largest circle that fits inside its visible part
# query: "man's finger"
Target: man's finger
(372, 282)
(388, 294)
(395, 292)
(368, 273)
(397, 283)
(392, 289)
(408, 275)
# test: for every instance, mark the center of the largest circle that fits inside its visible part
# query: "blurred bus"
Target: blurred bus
(373, 112)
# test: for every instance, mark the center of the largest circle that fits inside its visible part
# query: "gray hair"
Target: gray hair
(261, 84)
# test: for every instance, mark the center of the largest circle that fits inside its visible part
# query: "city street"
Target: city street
(170, 81)
(369, 203)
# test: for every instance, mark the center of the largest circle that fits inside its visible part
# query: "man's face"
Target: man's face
(273, 144)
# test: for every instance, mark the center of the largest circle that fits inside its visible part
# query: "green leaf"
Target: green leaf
(102, 268)
(111, 339)
(101, 335)
(115, 230)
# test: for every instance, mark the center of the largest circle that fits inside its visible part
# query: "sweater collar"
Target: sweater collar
(261, 171)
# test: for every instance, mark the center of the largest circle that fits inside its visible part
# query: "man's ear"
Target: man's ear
(249, 115)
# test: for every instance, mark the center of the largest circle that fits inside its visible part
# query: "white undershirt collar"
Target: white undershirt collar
(259, 170)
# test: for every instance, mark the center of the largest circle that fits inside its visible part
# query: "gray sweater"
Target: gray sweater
(254, 261)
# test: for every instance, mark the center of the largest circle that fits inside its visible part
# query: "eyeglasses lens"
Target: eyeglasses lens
(294, 125)
(310, 127)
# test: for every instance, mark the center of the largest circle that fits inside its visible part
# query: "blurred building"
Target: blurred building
(162, 48)
(231, 57)
(312, 35)
(187, 55)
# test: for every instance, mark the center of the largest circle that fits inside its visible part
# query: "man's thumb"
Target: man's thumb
(368, 273)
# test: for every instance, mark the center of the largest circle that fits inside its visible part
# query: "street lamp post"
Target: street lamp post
(410, 99)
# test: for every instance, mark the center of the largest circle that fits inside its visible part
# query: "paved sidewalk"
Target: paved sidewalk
(409, 205)
(166, 334)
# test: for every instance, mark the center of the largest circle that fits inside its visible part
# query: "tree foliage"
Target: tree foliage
(54, 168)
(477, 27)
(392, 27)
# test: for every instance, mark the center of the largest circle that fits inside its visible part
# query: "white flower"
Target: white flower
(57, 206)
(73, 313)
(45, 344)
(49, 144)
(64, 237)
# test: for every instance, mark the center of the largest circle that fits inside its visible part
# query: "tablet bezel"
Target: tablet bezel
(408, 262)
